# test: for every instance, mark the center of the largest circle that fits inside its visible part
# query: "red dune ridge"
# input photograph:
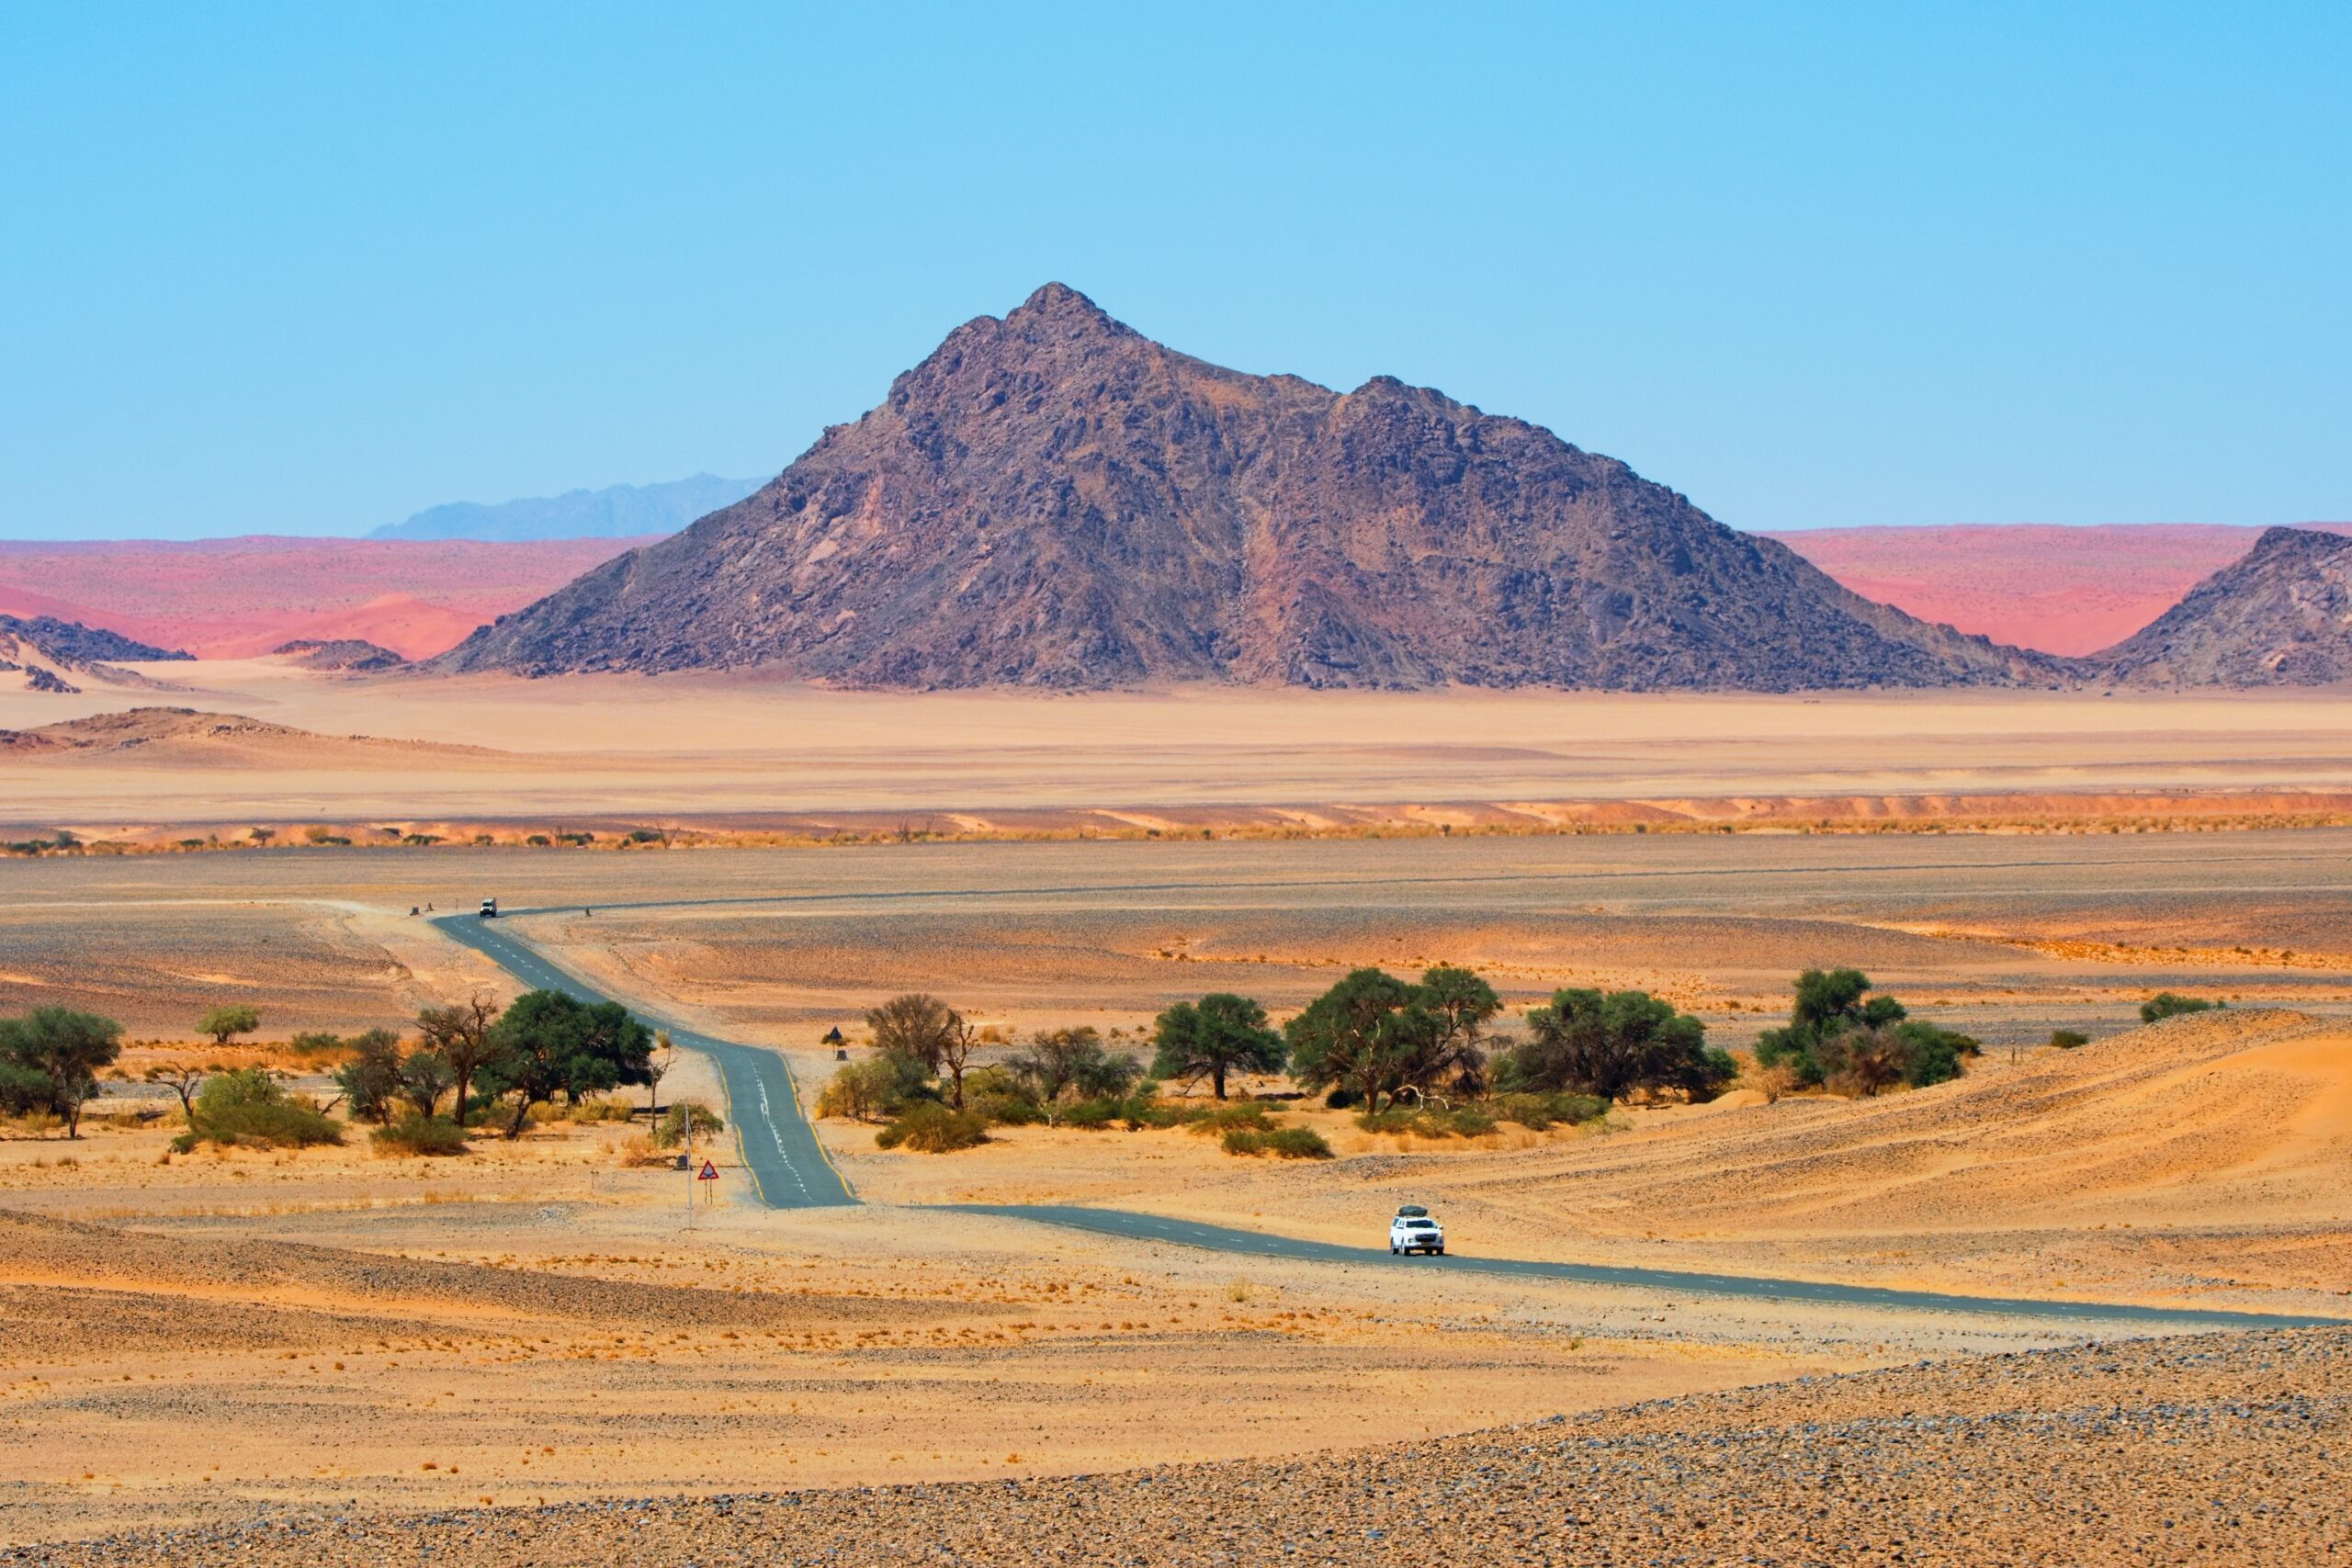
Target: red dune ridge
(2068, 590)
(237, 598)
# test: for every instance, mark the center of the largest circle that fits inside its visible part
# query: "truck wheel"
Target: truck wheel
(1392, 1249)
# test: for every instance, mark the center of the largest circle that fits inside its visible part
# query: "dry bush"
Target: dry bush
(639, 1153)
(1772, 1082)
(432, 1137)
(1282, 1142)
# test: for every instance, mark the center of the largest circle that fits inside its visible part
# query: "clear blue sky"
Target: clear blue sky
(308, 269)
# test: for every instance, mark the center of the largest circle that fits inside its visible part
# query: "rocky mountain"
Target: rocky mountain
(2279, 616)
(614, 512)
(41, 653)
(1054, 500)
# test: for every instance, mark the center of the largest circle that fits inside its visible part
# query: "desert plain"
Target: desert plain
(528, 1353)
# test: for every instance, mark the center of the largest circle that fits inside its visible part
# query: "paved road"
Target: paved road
(788, 1169)
(1224, 1238)
(791, 1171)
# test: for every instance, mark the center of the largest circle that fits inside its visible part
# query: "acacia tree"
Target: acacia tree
(1612, 1046)
(55, 1053)
(183, 1080)
(922, 1029)
(1219, 1034)
(1359, 1033)
(460, 1033)
(1458, 1002)
(223, 1023)
(551, 1042)
(657, 1068)
(1062, 1061)
(370, 1080)
(424, 1078)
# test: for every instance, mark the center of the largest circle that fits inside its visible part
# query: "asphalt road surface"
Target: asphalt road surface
(790, 1171)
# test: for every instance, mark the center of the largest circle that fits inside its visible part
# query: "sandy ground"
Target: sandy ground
(708, 748)
(2191, 1450)
(2005, 938)
(304, 1333)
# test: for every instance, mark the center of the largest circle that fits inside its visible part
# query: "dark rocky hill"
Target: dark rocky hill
(73, 642)
(1053, 500)
(347, 654)
(2279, 616)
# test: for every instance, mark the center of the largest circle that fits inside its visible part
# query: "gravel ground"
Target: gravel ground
(2214, 1448)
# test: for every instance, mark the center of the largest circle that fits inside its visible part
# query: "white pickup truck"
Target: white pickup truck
(1413, 1231)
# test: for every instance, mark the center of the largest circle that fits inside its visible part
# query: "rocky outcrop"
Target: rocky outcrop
(1054, 500)
(2280, 617)
(348, 655)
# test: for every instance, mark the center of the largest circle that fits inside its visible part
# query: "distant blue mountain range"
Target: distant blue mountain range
(612, 512)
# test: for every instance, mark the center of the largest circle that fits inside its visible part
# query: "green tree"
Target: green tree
(1614, 1045)
(1073, 1062)
(424, 1077)
(224, 1023)
(460, 1033)
(1458, 1002)
(1216, 1036)
(1835, 1031)
(1360, 1035)
(370, 1080)
(53, 1054)
(550, 1042)
(923, 1029)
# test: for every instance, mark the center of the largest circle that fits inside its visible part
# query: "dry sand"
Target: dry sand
(2205, 1450)
(472, 1315)
(714, 748)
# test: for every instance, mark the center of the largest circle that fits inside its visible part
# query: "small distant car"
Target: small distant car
(489, 908)
(1413, 1231)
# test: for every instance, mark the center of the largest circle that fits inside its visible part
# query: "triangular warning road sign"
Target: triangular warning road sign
(709, 1172)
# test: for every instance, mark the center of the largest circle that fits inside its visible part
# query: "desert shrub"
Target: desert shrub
(1226, 1118)
(590, 1112)
(249, 1107)
(639, 1152)
(2068, 1039)
(1089, 1115)
(1470, 1121)
(2171, 1004)
(933, 1129)
(315, 1043)
(670, 1131)
(1283, 1142)
(413, 1135)
(1340, 1098)
(1538, 1111)
(879, 1088)
(1861, 1046)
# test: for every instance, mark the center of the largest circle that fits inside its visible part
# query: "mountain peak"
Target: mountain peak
(1051, 499)
(1060, 304)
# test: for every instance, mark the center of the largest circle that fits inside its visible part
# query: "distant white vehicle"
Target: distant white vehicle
(489, 908)
(1413, 1231)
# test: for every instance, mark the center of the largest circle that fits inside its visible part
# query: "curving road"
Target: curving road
(788, 1165)
(790, 1171)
